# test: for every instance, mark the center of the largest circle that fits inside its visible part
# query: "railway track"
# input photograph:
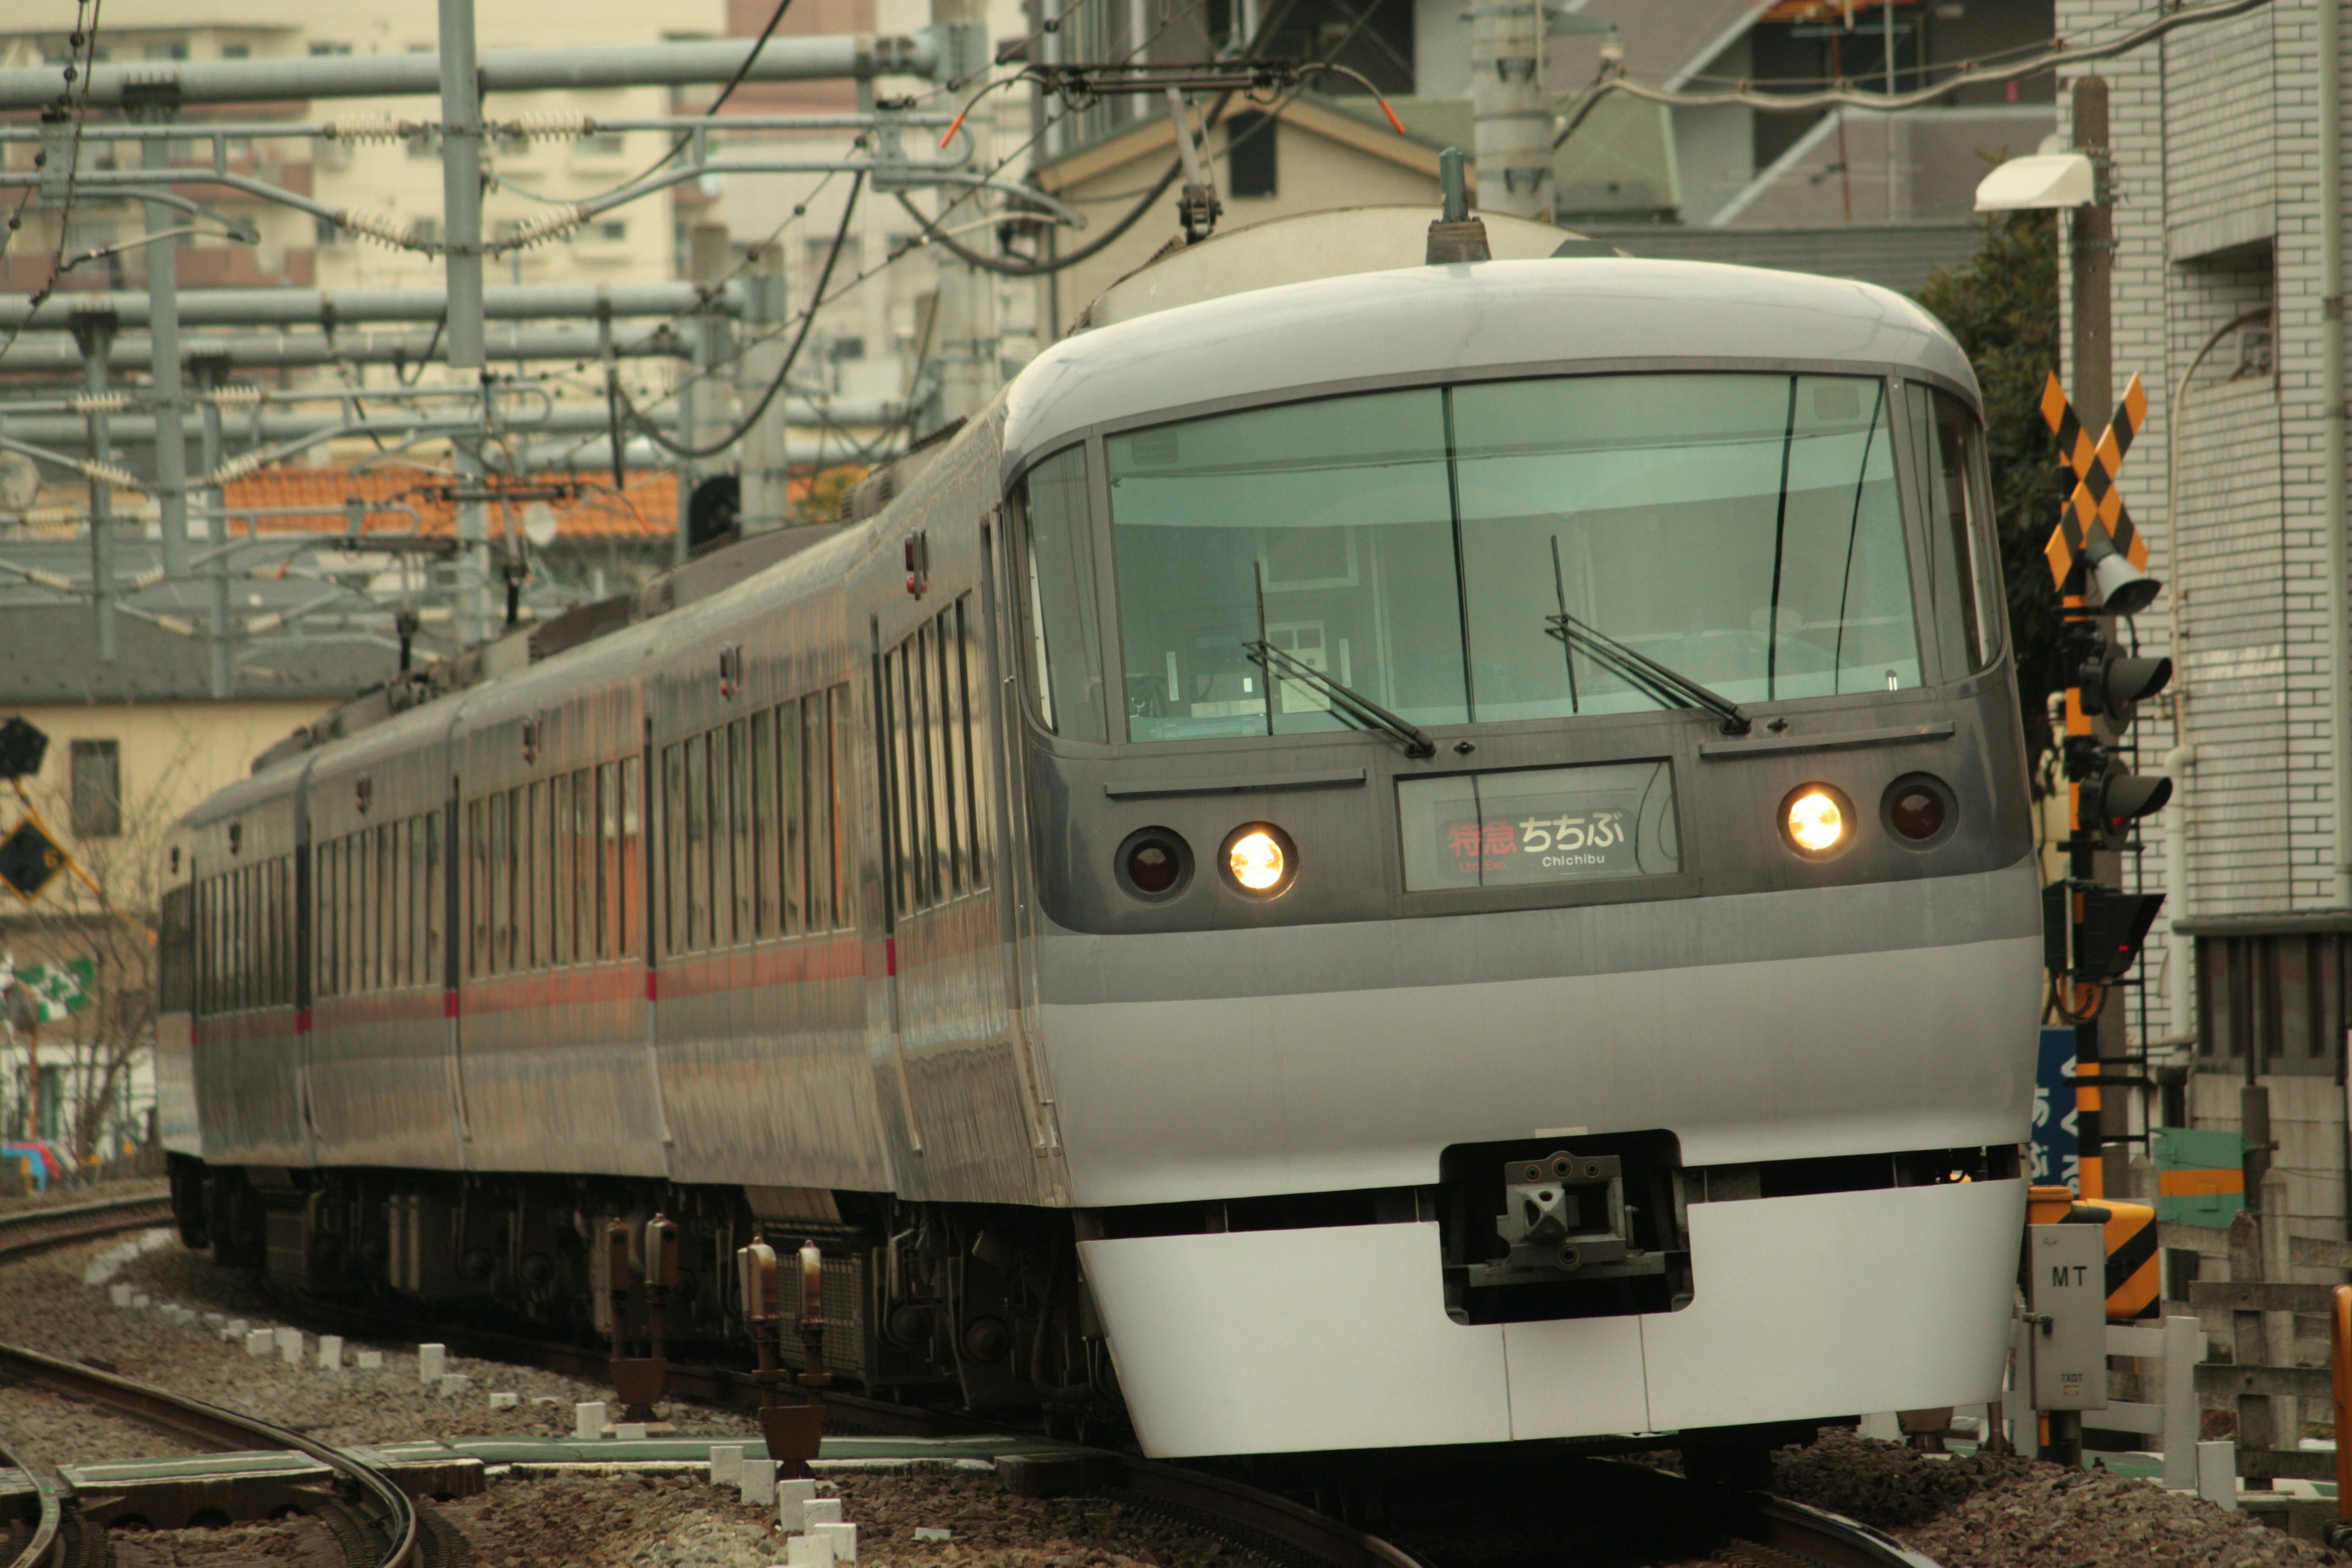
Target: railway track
(36, 1230)
(1277, 1520)
(369, 1516)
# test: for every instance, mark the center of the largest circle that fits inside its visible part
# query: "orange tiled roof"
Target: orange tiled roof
(645, 508)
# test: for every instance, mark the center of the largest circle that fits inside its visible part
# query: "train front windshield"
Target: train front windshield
(1444, 551)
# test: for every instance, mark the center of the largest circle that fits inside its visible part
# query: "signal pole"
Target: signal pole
(2096, 929)
(2092, 256)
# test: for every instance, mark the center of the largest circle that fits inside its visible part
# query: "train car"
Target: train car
(1434, 855)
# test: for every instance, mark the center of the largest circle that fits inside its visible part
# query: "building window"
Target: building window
(612, 229)
(2273, 1002)
(426, 230)
(1249, 155)
(97, 789)
(327, 231)
(236, 51)
(321, 49)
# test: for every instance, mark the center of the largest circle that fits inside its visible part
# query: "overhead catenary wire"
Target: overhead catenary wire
(1611, 79)
(792, 356)
(86, 40)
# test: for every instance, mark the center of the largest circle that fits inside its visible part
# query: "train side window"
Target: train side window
(628, 905)
(323, 922)
(673, 874)
(839, 726)
(477, 890)
(923, 763)
(557, 874)
(791, 863)
(420, 898)
(698, 843)
(1060, 634)
(360, 885)
(503, 809)
(601, 832)
(761, 730)
(434, 896)
(282, 929)
(816, 810)
(540, 878)
(740, 855)
(575, 921)
(963, 671)
(397, 900)
(1964, 560)
(948, 826)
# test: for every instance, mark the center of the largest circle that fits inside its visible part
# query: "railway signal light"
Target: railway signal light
(2112, 682)
(2112, 802)
(22, 748)
(2114, 928)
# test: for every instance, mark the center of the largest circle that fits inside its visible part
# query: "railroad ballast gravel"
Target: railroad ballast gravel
(1968, 1512)
(46, 1306)
(653, 1521)
(2007, 1512)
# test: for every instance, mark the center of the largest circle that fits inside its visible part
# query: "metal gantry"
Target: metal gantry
(499, 428)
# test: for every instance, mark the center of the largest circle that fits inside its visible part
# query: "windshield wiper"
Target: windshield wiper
(1661, 683)
(1353, 704)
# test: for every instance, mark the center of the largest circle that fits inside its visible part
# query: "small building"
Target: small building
(135, 743)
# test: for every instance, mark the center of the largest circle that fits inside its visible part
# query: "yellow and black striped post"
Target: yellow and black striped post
(2095, 505)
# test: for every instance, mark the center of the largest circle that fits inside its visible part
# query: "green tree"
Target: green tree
(2003, 308)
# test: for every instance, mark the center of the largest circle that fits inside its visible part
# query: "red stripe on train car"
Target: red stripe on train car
(652, 987)
(890, 956)
(448, 1003)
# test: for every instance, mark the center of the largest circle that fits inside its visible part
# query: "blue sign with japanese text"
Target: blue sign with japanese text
(2057, 1154)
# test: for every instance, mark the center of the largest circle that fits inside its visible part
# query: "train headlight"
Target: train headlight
(1260, 860)
(1817, 819)
(1154, 864)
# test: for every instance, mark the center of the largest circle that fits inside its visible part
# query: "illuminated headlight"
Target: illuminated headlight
(1260, 858)
(1817, 819)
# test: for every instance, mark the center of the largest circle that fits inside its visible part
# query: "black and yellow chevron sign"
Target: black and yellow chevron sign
(2096, 502)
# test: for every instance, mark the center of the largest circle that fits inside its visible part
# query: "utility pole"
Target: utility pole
(960, 337)
(2094, 929)
(461, 233)
(764, 500)
(1511, 112)
(702, 409)
(210, 375)
(95, 333)
(164, 366)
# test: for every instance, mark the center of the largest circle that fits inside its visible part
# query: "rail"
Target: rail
(33, 1230)
(212, 1427)
(46, 1547)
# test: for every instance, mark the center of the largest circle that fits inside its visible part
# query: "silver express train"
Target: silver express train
(1438, 855)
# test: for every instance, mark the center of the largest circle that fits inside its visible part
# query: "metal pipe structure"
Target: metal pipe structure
(164, 319)
(539, 126)
(102, 496)
(1511, 113)
(39, 420)
(279, 350)
(334, 307)
(298, 77)
(2332, 430)
(208, 375)
(461, 183)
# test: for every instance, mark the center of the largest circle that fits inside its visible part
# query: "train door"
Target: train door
(970, 1108)
(1016, 895)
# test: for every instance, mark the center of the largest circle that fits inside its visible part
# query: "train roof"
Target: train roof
(1433, 322)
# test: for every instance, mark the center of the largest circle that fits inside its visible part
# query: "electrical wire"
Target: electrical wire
(792, 356)
(1611, 80)
(79, 109)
